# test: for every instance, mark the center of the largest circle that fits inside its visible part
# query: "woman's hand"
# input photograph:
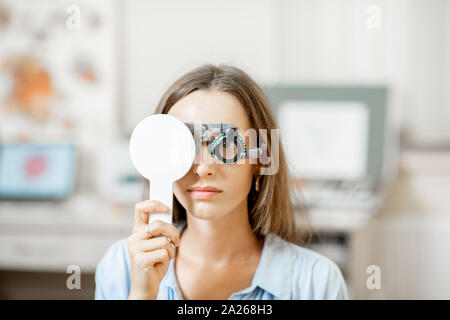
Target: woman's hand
(150, 253)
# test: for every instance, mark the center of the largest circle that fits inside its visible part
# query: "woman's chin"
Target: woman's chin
(206, 210)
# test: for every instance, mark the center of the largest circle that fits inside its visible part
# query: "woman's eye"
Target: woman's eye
(227, 150)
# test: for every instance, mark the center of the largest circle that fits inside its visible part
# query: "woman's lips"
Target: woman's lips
(203, 195)
(206, 193)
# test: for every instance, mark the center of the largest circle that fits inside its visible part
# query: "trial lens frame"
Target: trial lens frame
(217, 133)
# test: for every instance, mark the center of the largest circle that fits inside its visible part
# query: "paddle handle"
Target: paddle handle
(161, 191)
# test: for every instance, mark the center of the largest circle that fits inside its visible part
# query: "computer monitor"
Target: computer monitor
(355, 103)
(36, 171)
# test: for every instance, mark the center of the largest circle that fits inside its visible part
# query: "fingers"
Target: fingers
(155, 244)
(144, 208)
(155, 229)
(149, 259)
(156, 247)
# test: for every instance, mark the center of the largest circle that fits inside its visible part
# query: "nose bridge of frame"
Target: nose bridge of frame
(203, 155)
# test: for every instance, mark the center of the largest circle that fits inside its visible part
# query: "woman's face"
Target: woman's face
(234, 180)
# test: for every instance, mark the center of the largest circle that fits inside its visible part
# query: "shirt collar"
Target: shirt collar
(274, 271)
(273, 274)
(170, 277)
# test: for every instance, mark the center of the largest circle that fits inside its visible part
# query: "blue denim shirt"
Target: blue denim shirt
(285, 271)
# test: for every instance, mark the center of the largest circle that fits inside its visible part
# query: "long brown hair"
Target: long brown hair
(270, 209)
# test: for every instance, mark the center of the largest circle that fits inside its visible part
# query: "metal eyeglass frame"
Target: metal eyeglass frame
(223, 132)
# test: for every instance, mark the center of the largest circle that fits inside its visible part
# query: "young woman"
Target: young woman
(234, 229)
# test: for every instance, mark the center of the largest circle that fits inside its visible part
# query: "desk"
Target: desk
(50, 236)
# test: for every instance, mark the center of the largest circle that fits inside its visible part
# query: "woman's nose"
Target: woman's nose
(204, 164)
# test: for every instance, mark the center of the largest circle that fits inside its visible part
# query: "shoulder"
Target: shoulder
(112, 275)
(313, 276)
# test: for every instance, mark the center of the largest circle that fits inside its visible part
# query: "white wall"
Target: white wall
(163, 39)
(296, 41)
(427, 110)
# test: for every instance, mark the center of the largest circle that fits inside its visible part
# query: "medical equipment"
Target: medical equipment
(224, 142)
(162, 150)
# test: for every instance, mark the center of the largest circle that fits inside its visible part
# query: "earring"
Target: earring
(257, 184)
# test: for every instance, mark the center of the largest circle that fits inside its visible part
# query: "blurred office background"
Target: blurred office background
(361, 90)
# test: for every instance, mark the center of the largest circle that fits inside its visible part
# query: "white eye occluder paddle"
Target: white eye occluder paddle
(162, 150)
